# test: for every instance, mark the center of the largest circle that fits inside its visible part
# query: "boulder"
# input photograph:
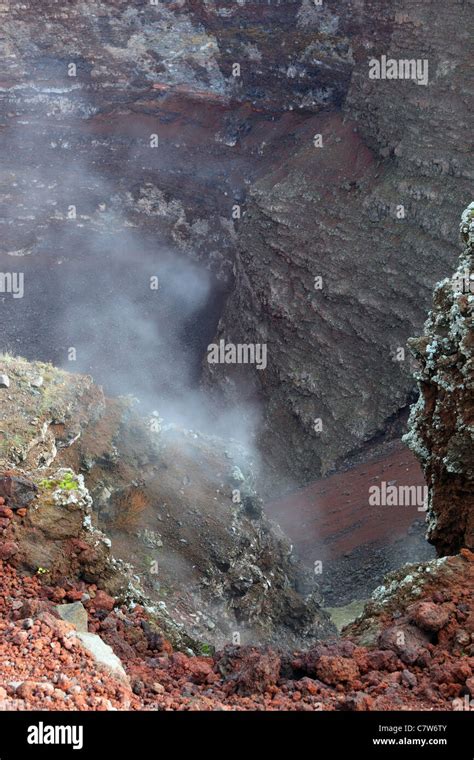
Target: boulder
(74, 613)
(17, 491)
(429, 616)
(334, 670)
(248, 670)
(103, 655)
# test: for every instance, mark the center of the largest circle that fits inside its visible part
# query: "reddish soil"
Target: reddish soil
(333, 516)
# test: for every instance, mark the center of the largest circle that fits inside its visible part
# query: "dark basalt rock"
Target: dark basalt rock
(17, 492)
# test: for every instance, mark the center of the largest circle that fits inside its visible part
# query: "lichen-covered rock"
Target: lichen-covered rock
(442, 421)
(56, 537)
(418, 605)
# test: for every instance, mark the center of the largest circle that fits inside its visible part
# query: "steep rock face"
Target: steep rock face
(442, 421)
(79, 106)
(79, 138)
(180, 509)
(124, 146)
(291, 54)
(116, 46)
(372, 212)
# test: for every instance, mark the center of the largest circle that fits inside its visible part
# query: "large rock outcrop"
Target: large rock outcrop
(180, 511)
(442, 421)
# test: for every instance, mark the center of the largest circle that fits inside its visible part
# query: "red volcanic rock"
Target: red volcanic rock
(200, 670)
(335, 670)
(74, 595)
(58, 594)
(31, 607)
(17, 492)
(409, 679)
(248, 670)
(20, 638)
(121, 647)
(460, 671)
(41, 653)
(429, 616)
(308, 686)
(6, 512)
(382, 659)
(79, 545)
(27, 689)
(58, 626)
(103, 601)
(405, 640)
(360, 702)
(8, 549)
